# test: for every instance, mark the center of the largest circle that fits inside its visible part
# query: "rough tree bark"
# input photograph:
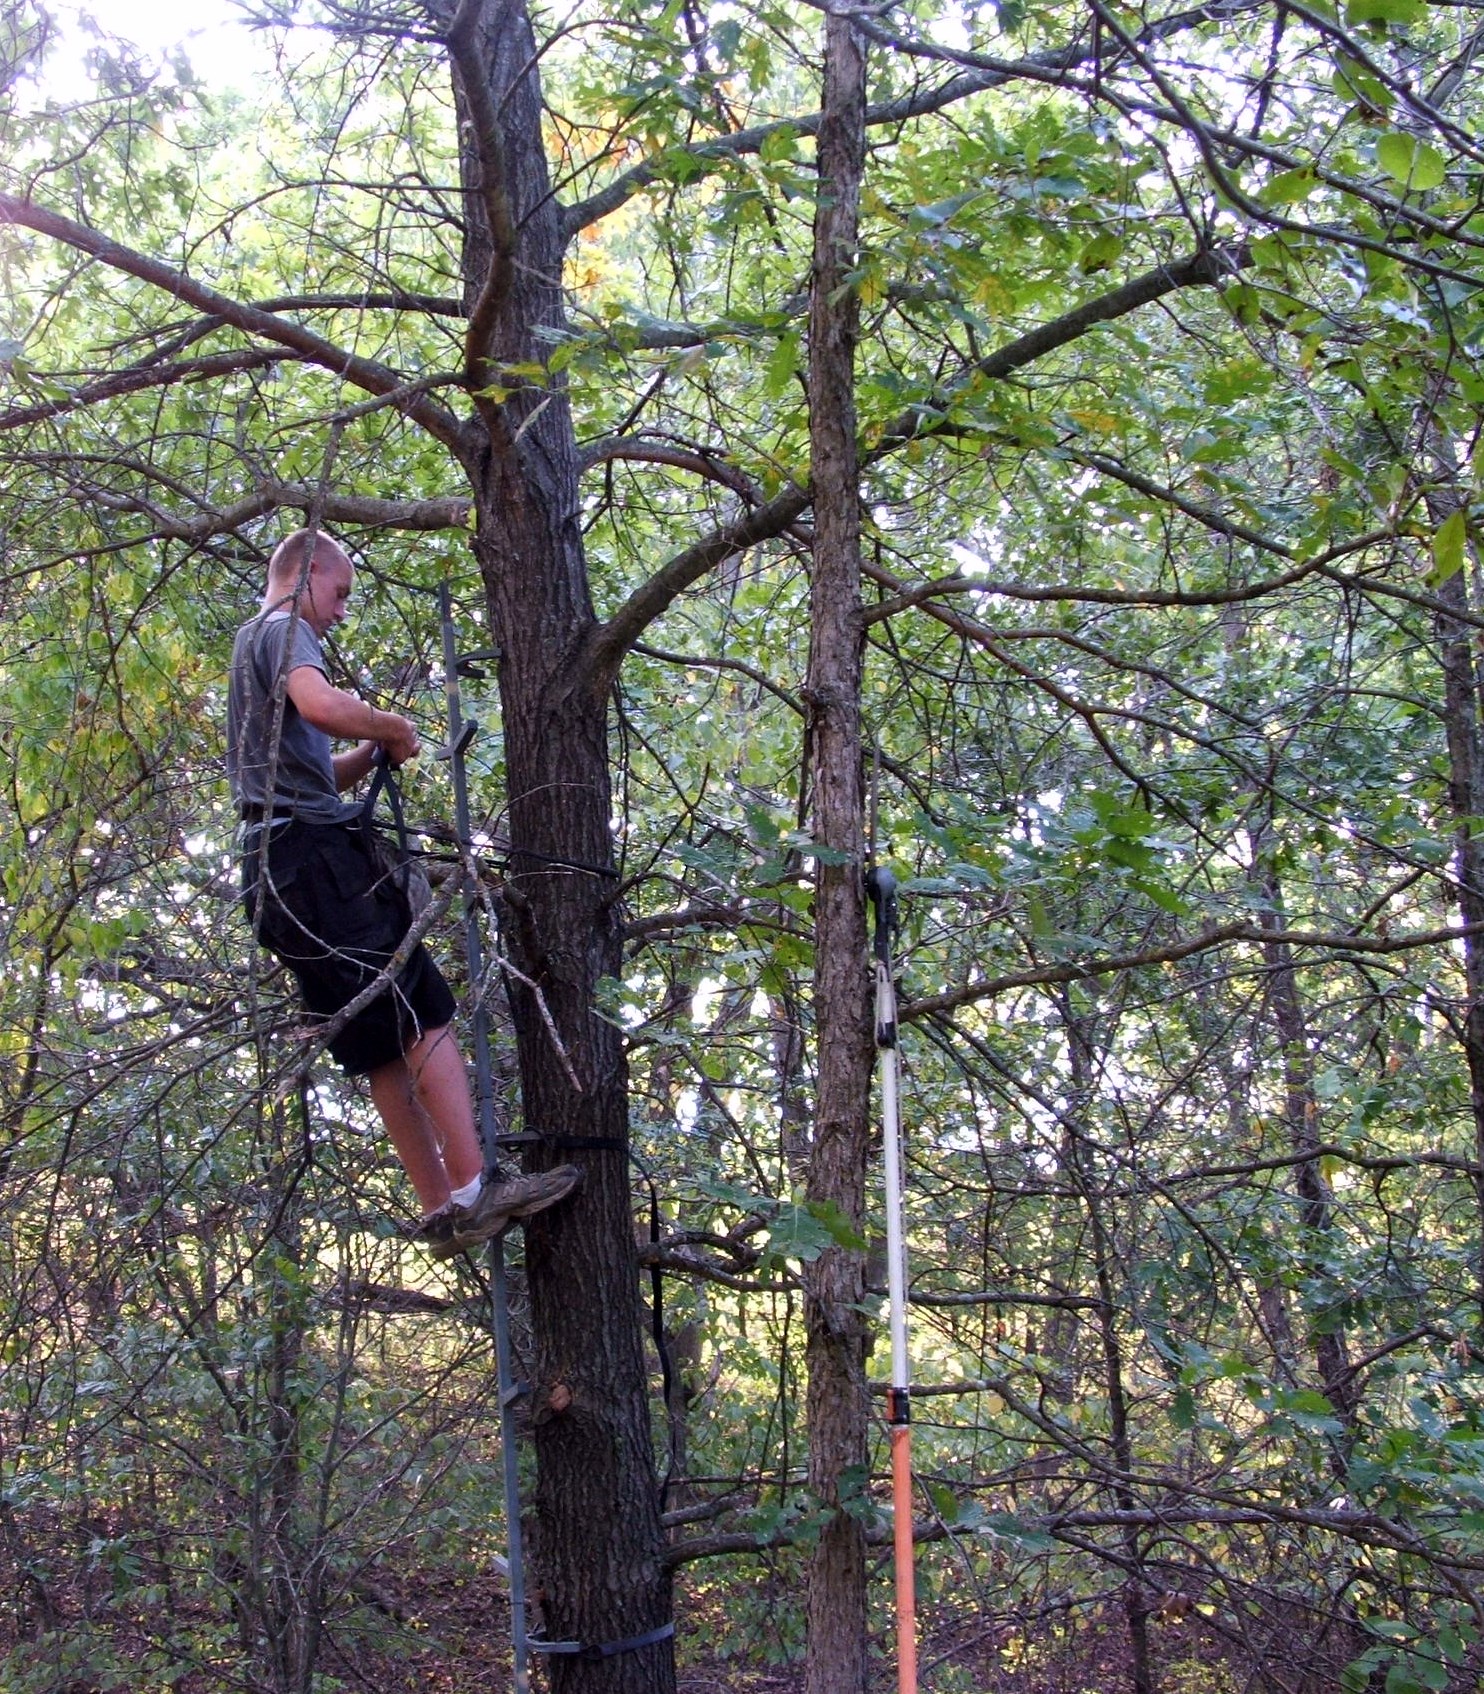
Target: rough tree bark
(1301, 1118)
(599, 1543)
(1463, 725)
(834, 1283)
(1463, 714)
(280, 1589)
(1138, 1598)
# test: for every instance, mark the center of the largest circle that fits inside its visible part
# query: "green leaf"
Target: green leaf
(1447, 548)
(1394, 152)
(1429, 1671)
(940, 212)
(1061, 187)
(1289, 187)
(1414, 164)
(781, 366)
(816, 850)
(1235, 379)
(1390, 1629)
(1400, 1679)
(678, 165)
(733, 1194)
(1398, 12)
(1356, 1676)
(1309, 1400)
(1101, 252)
(1429, 169)
(1352, 81)
(1452, 1645)
(804, 1232)
(781, 145)
(1005, 1526)
(1163, 896)
(842, 1229)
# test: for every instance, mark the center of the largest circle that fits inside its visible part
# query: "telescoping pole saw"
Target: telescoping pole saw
(881, 885)
(461, 731)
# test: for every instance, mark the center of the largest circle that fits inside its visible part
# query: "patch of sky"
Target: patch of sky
(704, 999)
(211, 36)
(687, 1109)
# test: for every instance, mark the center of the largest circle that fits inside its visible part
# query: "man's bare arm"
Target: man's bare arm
(342, 715)
(351, 766)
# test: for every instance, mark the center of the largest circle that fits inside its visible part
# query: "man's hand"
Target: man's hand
(398, 735)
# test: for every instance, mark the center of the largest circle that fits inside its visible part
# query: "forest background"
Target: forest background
(1033, 445)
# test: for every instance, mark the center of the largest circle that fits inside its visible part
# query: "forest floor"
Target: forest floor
(433, 1628)
(464, 1649)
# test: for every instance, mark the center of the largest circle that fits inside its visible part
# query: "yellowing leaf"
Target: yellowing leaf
(1095, 422)
(994, 297)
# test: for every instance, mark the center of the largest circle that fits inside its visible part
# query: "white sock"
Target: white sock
(468, 1194)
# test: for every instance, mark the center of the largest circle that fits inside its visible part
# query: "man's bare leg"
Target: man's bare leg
(442, 1084)
(423, 1100)
(425, 1104)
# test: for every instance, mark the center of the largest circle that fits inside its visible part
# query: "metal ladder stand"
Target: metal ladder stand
(461, 731)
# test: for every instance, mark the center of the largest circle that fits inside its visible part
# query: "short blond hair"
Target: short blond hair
(296, 552)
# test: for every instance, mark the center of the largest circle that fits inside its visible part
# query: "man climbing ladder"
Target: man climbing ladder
(318, 902)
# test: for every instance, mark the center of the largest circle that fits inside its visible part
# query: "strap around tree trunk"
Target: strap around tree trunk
(602, 1650)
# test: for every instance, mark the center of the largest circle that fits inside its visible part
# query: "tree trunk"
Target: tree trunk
(1137, 1600)
(834, 1283)
(598, 1544)
(284, 1588)
(1461, 717)
(1301, 1115)
(1284, 999)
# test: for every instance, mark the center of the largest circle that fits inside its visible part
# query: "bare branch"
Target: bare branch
(1208, 267)
(141, 377)
(645, 450)
(610, 641)
(739, 666)
(352, 510)
(368, 511)
(750, 914)
(367, 374)
(681, 1262)
(1214, 935)
(433, 305)
(1000, 1297)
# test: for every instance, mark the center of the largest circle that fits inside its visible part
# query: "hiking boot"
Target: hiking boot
(496, 1207)
(435, 1228)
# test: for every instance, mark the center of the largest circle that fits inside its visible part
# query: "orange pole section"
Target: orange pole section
(901, 1503)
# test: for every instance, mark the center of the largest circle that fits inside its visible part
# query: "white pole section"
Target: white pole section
(882, 887)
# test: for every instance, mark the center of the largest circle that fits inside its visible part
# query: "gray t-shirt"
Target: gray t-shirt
(304, 778)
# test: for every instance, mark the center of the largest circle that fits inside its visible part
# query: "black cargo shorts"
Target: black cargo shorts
(335, 921)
